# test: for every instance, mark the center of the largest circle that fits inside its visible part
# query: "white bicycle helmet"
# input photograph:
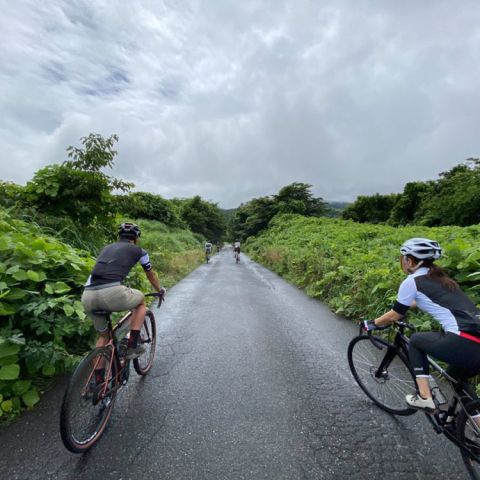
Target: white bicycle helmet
(421, 248)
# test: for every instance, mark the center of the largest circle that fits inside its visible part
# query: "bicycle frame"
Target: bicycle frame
(113, 358)
(461, 394)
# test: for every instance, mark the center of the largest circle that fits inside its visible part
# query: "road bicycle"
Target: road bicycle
(237, 257)
(89, 397)
(207, 256)
(382, 370)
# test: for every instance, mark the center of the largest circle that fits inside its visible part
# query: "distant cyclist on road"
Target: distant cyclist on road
(430, 289)
(236, 247)
(104, 289)
(236, 250)
(208, 250)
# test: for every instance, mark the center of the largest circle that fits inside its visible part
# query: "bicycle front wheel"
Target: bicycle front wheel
(88, 400)
(468, 434)
(388, 387)
(148, 338)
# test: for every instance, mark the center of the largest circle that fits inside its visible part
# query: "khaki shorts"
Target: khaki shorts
(112, 299)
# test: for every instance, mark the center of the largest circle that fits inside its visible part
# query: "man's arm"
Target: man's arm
(153, 279)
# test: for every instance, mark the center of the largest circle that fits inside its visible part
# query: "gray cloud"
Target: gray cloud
(231, 100)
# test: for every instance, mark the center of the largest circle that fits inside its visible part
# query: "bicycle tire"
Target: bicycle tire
(77, 432)
(148, 338)
(396, 381)
(470, 437)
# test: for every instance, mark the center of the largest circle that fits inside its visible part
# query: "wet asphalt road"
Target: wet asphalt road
(251, 382)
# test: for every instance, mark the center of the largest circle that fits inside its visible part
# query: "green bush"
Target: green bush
(43, 328)
(42, 322)
(355, 267)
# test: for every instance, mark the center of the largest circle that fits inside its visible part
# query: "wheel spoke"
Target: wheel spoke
(387, 387)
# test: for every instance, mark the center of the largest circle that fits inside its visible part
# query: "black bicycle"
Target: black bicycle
(382, 370)
(88, 400)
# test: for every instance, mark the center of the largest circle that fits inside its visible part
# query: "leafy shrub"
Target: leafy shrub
(354, 267)
(41, 318)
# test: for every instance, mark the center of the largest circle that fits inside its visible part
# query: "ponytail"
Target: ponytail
(440, 275)
(436, 273)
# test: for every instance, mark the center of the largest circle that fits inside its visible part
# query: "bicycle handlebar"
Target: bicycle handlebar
(400, 323)
(406, 325)
(160, 296)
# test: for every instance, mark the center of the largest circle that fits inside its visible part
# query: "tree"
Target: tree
(406, 208)
(298, 198)
(454, 198)
(373, 209)
(203, 217)
(78, 188)
(149, 206)
(254, 216)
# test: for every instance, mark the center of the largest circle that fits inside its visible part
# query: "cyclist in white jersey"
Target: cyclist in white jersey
(430, 289)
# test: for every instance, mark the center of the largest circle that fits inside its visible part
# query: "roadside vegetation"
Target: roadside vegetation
(354, 267)
(51, 229)
(452, 199)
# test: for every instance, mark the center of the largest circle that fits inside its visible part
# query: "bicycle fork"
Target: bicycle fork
(385, 363)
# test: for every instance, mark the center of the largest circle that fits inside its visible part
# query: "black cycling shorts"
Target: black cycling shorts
(462, 354)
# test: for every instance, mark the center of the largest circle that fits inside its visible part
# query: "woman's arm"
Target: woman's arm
(387, 318)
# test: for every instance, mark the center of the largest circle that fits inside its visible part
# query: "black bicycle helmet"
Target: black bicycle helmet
(129, 230)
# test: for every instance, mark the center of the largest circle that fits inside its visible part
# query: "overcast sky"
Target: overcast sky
(233, 99)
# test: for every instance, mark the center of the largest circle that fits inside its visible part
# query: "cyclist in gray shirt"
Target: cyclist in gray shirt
(104, 289)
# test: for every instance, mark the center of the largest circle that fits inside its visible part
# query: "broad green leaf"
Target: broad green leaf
(8, 349)
(36, 276)
(48, 370)
(6, 309)
(20, 275)
(8, 360)
(60, 287)
(17, 294)
(21, 386)
(31, 397)
(68, 309)
(9, 372)
(49, 288)
(7, 405)
(4, 244)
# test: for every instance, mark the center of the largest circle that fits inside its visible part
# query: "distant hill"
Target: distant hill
(336, 208)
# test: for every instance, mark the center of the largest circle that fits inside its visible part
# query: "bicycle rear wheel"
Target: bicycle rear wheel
(88, 401)
(468, 433)
(148, 338)
(387, 388)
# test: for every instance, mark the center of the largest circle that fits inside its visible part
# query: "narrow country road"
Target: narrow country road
(251, 382)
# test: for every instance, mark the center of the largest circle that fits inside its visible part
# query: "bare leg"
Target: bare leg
(424, 387)
(138, 316)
